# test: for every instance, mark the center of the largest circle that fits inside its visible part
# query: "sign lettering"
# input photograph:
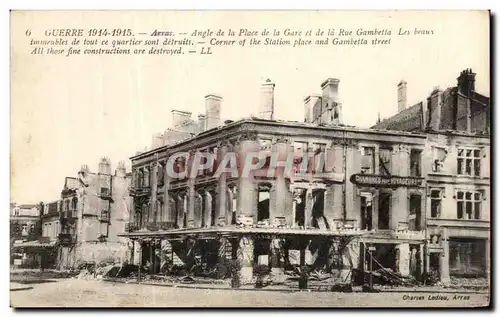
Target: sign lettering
(386, 180)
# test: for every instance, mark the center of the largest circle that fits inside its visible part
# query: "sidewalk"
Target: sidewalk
(19, 287)
(288, 288)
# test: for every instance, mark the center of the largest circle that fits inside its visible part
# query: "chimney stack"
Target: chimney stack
(310, 115)
(179, 117)
(331, 106)
(466, 82)
(84, 169)
(212, 111)
(201, 122)
(266, 107)
(402, 95)
(157, 141)
(105, 166)
(434, 109)
(121, 170)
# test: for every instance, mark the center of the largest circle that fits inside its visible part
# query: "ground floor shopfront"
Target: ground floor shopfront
(38, 254)
(458, 248)
(344, 255)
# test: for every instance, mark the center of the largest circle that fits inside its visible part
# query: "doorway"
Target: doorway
(384, 211)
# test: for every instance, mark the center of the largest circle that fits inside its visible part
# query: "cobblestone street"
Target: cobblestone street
(87, 293)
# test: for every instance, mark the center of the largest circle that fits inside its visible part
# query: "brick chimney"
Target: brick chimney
(157, 141)
(179, 117)
(121, 170)
(84, 169)
(309, 103)
(212, 111)
(105, 166)
(266, 107)
(466, 82)
(434, 109)
(331, 106)
(201, 122)
(402, 95)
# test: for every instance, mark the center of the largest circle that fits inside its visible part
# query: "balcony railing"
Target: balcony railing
(139, 191)
(66, 239)
(150, 226)
(167, 225)
(132, 226)
(106, 196)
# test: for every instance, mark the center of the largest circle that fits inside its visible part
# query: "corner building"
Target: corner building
(457, 123)
(374, 198)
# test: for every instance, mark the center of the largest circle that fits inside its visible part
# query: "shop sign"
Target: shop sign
(385, 180)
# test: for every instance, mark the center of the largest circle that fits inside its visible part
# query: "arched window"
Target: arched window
(67, 208)
(74, 206)
(173, 210)
(139, 178)
(161, 173)
(146, 178)
(145, 212)
(159, 211)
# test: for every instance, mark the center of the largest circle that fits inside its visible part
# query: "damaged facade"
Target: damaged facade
(457, 124)
(378, 196)
(94, 208)
(83, 225)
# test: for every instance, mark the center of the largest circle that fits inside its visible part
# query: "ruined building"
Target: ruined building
(456, 109)
(94, 208)
(411, 201)
(83, 225)
(457, 124)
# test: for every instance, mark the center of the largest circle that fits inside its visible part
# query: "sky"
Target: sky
(66, 112)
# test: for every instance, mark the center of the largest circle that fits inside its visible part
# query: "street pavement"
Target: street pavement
(92, 293)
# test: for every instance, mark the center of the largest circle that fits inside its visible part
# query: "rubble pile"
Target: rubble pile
(468, 283)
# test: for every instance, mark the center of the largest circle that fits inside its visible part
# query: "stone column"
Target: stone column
(487, 255)
(421, 259)
(165, 254)
(444, 264)
(185, 210)
(352, 203)
(133, 182)
(154, 190)
(281, 150)
(137, 256)
(277, 261)
(191, 196)
(146, 182)
(229, 211)
(198, 212)
(168, 213)
(221, 191)
(306, 256)
(246, 257)
(246, 189)
(403, 264)
(179, 204)
(308, 208)
(400, 161)
(131, 250)
(375, 197)
(427, 257)
(152, 255)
